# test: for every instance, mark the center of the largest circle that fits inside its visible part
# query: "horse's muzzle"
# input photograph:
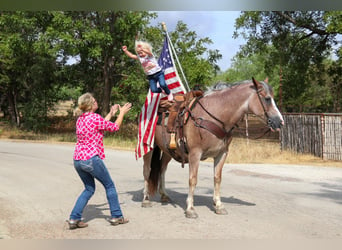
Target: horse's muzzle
(275, 123)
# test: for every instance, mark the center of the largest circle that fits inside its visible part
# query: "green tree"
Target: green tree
(302, 43)
(28, 68)
(53, 55)
(95, 39)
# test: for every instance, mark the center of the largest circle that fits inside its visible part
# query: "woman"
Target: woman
(89, 155)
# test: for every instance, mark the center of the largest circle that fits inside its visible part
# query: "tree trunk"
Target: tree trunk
(107, 89)
(12, 108)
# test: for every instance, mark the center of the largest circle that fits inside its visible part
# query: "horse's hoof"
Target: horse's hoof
(165, 199)
(191, 214)
(221, 211)
(146, 203)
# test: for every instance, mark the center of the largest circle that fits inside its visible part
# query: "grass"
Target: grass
(241, 150)
(269, 151)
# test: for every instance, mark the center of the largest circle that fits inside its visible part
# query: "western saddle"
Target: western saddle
(176, 112)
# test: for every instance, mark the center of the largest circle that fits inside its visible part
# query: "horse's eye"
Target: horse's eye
(268, 99)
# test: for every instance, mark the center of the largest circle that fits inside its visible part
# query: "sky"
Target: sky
(216, 25)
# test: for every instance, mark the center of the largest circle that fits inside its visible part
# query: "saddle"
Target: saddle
(174, 112)
(172, 116)
(176, 108)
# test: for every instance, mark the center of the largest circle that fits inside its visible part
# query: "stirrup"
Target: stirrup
(172, 144)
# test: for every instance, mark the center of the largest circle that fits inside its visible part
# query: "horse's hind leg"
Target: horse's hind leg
(146, 172)
(218, 165)
(164, 197)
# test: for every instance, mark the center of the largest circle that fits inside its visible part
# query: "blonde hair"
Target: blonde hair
(144, 45)
(85, 104)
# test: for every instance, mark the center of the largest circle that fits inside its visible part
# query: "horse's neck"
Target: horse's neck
(230, 104)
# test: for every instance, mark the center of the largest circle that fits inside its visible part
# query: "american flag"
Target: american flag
(148, 115)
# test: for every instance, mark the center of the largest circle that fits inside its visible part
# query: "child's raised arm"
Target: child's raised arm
(124, 48)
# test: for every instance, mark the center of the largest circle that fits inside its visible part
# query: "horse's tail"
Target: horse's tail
(155, 172)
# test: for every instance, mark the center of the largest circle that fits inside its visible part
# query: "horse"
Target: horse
(206, 132)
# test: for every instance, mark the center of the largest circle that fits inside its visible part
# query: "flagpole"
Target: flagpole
(174, 52)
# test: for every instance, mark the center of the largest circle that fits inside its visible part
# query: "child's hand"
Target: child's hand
(124, 48)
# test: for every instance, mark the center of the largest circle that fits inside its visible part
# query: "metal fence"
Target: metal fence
(317, 134)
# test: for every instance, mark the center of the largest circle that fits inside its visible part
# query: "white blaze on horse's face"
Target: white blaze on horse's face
(274, 118)
(278, 113)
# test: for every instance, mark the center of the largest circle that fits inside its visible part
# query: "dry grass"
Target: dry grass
(13, 133)
(268, 151)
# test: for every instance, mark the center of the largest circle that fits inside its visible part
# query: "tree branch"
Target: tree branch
(306, 25)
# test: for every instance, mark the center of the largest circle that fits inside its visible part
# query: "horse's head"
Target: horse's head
(263, 104)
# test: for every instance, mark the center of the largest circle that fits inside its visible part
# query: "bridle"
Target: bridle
(258, 91)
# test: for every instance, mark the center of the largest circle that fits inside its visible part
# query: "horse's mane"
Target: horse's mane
(223, 85)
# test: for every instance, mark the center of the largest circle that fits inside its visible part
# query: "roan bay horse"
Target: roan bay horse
(206, 131)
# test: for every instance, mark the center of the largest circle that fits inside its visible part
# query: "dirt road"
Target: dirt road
(38, 188)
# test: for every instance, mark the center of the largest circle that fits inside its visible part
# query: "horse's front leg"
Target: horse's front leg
(146, 172)
(194, 159)
(218, 166)
(164, 197)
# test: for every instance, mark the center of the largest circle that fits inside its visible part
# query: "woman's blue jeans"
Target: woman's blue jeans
(158, 77)
(89, 170)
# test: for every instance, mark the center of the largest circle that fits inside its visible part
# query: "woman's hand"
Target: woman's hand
(112, 112)
(125, 108)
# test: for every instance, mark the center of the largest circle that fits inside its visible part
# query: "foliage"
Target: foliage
(301, 43)
(48, 56)
(28, 72)
(96, 39)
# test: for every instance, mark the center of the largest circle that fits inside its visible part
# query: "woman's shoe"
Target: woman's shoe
(73, 224)
(118, 221)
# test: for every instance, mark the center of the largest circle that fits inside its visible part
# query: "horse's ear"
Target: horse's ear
(257, 84)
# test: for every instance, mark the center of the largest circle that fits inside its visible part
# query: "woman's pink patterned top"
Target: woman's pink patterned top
(90, 128)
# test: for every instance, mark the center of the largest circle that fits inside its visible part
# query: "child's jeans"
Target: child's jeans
(158, 77)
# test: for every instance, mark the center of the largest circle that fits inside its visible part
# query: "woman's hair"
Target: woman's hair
(85, 103)
(144, 45)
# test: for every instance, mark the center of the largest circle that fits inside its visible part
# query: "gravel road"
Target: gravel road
(38, 188)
